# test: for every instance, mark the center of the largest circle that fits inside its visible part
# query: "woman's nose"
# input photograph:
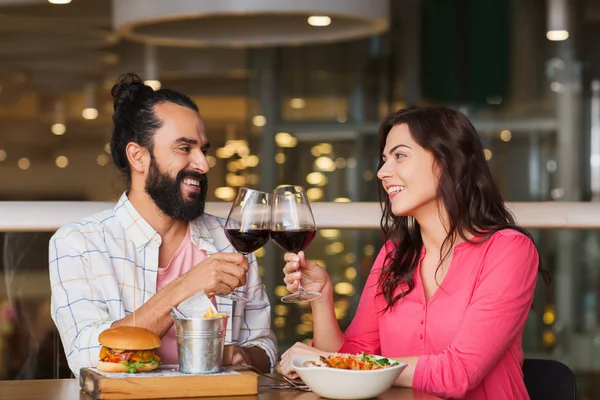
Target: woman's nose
(383, 171)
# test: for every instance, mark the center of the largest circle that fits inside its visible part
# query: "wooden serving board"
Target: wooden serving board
(166, 384)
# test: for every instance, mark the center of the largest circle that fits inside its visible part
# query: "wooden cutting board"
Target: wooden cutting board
(163, 384)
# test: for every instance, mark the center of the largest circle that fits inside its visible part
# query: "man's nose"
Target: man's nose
(200, 163)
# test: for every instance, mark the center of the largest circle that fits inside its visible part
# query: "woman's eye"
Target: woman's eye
(399, 155)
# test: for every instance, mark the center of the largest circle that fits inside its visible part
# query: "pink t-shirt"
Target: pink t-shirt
(468, 334)
(186, 257)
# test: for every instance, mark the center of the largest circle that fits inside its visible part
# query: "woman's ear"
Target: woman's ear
(138, 157)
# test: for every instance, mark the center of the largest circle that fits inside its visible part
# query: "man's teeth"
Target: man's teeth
(395, 189)
(189, 181)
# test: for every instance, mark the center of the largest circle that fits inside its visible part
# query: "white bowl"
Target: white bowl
(345, 384)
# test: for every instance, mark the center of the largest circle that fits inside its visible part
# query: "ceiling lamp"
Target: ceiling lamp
(151, 67)
(557, 20)
(193, 23)
(90, 111)
(319, 20)
(59, 127)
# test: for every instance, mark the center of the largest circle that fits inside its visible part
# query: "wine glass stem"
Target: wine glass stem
(300, 288)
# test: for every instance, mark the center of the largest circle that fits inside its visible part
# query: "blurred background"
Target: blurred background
(294, 93)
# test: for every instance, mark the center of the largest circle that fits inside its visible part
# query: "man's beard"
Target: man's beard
(166, 193)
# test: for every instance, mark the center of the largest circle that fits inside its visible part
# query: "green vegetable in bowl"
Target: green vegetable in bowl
(384, 362)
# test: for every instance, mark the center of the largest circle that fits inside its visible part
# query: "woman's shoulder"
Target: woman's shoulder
(506, 244)
(510, 235)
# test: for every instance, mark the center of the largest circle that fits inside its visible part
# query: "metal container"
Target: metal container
(200, 343)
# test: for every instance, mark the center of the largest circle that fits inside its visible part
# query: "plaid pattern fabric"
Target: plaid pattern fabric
(105, 266)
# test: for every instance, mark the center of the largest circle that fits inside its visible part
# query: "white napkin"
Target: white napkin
(196, 306)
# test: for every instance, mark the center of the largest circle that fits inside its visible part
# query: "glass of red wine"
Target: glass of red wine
(292, 229)
(248, 224)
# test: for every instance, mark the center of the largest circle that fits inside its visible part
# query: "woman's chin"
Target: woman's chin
(400, 211)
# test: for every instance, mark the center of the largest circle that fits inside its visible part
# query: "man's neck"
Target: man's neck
(166, 226)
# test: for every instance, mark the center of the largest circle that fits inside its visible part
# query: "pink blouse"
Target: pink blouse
(468, 335)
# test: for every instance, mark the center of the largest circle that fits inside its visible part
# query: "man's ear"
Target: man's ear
(138, 157)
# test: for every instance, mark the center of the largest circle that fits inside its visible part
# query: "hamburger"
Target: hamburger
(128, 349)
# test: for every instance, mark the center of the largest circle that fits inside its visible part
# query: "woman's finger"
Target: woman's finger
(292, 375)
(289, 279)
(292, 288)
(301, 258)
(290, 257)
(290, 267)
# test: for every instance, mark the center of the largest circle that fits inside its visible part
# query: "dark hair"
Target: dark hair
(134, 119)
(466, 187)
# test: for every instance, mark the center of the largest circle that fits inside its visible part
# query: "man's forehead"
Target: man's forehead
(180, 122)
(171, 112)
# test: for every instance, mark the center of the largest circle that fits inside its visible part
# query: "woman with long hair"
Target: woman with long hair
(451, 288)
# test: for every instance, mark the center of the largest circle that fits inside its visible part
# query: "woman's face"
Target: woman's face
(409, 174)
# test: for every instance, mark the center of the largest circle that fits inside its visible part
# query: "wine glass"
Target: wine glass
(248, 224)
(292, 229)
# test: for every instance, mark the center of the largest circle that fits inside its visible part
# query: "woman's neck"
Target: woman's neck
(433, 224)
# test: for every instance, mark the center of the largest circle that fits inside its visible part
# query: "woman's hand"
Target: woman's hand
(298, 269)
(298, 350)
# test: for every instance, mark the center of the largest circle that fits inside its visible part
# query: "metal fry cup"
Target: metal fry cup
(200, 344)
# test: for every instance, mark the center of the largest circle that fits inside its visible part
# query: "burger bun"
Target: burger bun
(118, 367)
(129, 338)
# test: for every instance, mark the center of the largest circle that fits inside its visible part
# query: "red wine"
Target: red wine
(249, 240)
(293, 240)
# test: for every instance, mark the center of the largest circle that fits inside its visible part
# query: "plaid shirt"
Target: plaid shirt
(105, 266)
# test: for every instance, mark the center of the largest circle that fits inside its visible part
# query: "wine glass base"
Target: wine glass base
(234, 297)
(300, 297)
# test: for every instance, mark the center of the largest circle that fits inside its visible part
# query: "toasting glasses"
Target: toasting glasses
(292, 229)
(248, 224)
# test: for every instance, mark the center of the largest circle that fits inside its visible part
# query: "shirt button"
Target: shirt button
(423, 307)
(421, 322)
(421, 336)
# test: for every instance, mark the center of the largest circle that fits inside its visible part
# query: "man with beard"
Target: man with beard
(156, 247)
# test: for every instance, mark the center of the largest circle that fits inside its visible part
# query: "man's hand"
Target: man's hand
(221, 273)
(235, 355)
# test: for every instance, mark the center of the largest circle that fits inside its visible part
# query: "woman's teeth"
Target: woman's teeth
(395, 189)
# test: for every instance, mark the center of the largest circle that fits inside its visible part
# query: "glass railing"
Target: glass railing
(563, 322)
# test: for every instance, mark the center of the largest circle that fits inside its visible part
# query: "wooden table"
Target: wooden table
(68, 389)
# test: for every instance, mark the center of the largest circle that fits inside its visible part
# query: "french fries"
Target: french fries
(211, 314)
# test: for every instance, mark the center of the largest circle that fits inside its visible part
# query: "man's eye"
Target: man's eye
(185, 148)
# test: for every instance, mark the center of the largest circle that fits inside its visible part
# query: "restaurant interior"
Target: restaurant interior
(294, 93)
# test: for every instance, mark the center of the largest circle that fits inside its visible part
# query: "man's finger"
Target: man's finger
(232, 269)
(233, 258)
